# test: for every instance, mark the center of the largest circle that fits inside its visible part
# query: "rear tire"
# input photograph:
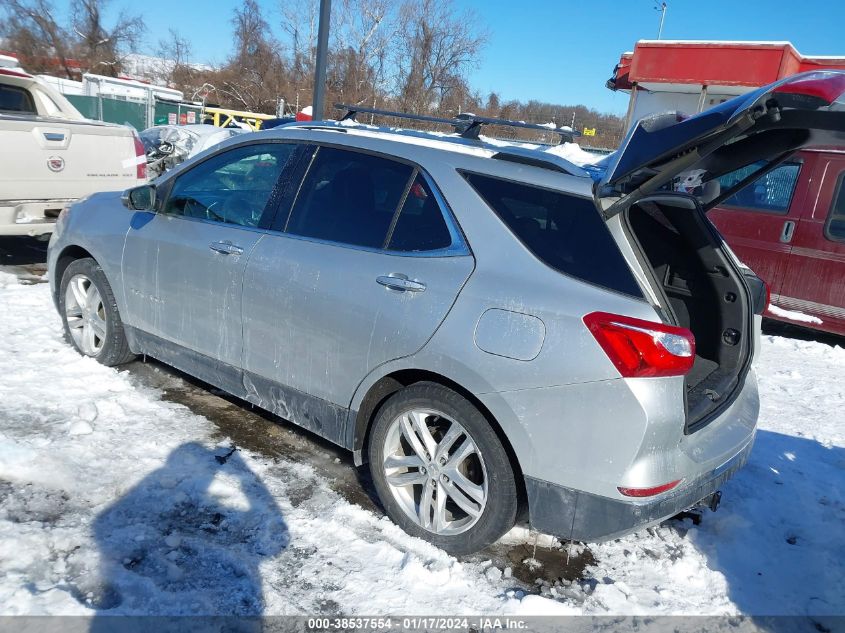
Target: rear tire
(440, 470)
(89, 314)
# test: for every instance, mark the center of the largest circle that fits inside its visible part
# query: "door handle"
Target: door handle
(227, 248)
(398, 281)
(788, 232)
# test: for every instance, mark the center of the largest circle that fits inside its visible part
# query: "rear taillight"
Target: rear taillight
(141, 159)
(819, 89)
(643, 349)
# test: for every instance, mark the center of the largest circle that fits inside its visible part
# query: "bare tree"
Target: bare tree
(436, 50)
(42, 45)
(300, 20)
(364, 30)
(176, 70)
(255, 75)
(101, 47)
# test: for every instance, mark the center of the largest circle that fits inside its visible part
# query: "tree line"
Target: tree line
(408, 55)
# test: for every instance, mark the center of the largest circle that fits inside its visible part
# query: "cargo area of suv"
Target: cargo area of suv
(704, 292)
(697, 280)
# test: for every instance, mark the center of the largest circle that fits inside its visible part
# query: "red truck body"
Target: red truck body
(789, 227)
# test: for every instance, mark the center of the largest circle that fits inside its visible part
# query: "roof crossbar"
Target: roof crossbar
(467, 125)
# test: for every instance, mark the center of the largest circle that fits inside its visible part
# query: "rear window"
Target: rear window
(771, 192)
(564, 231)
(421, 226)
(349, 198)
(835, 228)
(14, 99)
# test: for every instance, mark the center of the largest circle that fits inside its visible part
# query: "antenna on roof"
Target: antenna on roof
(466, 125)
(660, 6)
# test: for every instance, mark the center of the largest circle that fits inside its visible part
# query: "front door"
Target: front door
(183, 266)
(363, 271)
(815, 277)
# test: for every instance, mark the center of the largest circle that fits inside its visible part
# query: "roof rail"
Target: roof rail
(467, 125)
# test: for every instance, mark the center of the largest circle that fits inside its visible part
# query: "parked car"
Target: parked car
(51, 155)
(789, 227)
(488, 326)
(269, 124)
(168, 145)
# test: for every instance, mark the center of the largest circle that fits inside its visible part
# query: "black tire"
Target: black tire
(115, 348)
(500, 511)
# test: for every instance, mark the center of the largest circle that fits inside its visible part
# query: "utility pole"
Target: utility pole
(318, 105)
(662, 8)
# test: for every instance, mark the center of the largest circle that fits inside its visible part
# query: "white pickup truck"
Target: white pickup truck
(50, 155)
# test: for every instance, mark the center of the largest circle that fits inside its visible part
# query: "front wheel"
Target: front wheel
(89, 314)
(440, 470)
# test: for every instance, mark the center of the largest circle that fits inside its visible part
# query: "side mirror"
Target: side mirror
(141, 198)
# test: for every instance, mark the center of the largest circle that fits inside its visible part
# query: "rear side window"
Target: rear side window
(421, 226)
(771, 192)
(14, 99)
(835, 227)
(565, 232)
(349, 198)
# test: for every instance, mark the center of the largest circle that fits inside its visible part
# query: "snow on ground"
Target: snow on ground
(793, 315)
(115, 500)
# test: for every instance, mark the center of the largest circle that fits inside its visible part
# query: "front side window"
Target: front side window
(563, 231)
(14, 99)
(835, 227)
(349, 198)
(232, 187)
(771, 192)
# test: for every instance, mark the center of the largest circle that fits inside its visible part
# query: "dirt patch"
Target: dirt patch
(549, 564)
(257, 430)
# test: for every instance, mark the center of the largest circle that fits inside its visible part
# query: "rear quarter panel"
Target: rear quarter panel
(537, 399)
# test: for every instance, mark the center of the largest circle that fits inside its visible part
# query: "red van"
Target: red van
(789, 227)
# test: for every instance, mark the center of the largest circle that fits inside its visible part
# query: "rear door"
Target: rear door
(815, 276)
(361, 271)
(759, 221)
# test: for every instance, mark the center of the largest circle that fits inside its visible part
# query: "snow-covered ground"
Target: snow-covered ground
(113, 498)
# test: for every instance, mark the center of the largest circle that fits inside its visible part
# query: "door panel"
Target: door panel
(181, 289)
(183, 266)
(759, 222)
(815, 277)
(317, 318)
(368, 265)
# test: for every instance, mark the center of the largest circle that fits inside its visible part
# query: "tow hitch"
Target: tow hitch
(710, 501)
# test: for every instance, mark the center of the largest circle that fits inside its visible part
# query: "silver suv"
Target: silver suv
(491, 327)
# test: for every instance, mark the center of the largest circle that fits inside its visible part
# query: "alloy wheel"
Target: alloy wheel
(435, 471)
(85, 315)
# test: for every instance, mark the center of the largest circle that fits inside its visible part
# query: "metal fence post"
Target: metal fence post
(318, 106)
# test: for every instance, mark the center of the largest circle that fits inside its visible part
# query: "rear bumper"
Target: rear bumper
(582, 516)
(29, 217)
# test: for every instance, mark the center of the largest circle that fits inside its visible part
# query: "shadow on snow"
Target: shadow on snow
(188, 539)
(779, 537)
